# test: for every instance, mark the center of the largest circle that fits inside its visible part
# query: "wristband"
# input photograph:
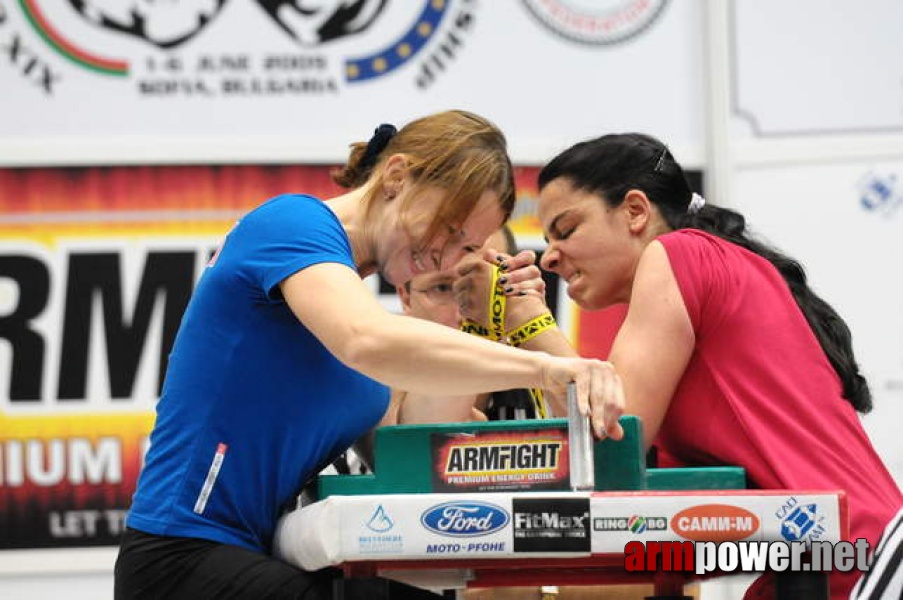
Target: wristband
(531, 329)
(497, 304)
(476, 329)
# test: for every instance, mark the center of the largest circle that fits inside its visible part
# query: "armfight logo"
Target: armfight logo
(500, 461)
(221, 48)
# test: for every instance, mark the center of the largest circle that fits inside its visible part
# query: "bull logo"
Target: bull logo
(163, 24)
(313, 22)
(167, 24)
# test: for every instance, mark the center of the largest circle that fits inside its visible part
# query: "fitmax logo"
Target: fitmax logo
(549, 520)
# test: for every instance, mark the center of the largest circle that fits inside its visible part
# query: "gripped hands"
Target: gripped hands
(600, 393)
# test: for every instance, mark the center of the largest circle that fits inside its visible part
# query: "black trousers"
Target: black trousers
(175, 568)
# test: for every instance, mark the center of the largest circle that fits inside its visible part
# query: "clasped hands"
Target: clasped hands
(519, 280)
(599, 388)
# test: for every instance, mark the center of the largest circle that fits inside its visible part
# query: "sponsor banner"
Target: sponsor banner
(535, 459)
(618, 519)
(210, 80)
(96, 268)
(551, 524)
(68, 480)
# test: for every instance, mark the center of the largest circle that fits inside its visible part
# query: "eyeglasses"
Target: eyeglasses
(439, 293)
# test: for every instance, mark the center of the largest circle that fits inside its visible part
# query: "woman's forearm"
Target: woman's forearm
(457, 364)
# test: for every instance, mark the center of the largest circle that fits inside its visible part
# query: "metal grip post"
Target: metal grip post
(580, 445)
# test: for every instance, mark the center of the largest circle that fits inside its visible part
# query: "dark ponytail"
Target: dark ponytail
(612, 165)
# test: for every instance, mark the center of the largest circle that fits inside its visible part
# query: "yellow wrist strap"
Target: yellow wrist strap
(496, 331)
(497, 303)
(475, 329)
(531, 329)
(539, 405)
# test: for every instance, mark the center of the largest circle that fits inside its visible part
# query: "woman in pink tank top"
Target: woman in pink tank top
(726, 353)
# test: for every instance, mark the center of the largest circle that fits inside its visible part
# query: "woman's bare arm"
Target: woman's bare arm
(655, 343)
(419, 356)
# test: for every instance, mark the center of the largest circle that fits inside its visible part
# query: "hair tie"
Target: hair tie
(696, 204)
(381, 138)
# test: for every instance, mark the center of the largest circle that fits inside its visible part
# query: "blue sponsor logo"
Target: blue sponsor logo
(880, 193)
(380, 521)
(465, 519)
(799, 522)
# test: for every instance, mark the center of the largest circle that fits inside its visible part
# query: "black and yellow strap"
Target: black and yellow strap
(521, 335)
(476, 329)
(531, 329)
(539, 404)
(497, 303)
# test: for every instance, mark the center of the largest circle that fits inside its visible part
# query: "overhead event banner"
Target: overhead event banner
(96, 268)
(208, 81)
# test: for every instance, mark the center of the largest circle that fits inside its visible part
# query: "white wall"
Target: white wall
(85, 574)
(815, 129)
(814, 213)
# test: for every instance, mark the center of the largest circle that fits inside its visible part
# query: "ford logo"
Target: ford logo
(465, 519)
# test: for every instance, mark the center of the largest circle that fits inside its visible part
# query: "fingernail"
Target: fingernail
(503, 280)
(509, 289)
(499, 258)
(522, 293)
(503, 266)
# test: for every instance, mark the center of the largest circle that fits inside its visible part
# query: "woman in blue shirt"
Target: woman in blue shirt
(284, 356)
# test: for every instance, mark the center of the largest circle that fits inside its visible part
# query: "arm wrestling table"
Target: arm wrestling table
(487, 505)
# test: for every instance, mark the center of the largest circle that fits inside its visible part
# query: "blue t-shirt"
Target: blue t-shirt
(253, 404)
